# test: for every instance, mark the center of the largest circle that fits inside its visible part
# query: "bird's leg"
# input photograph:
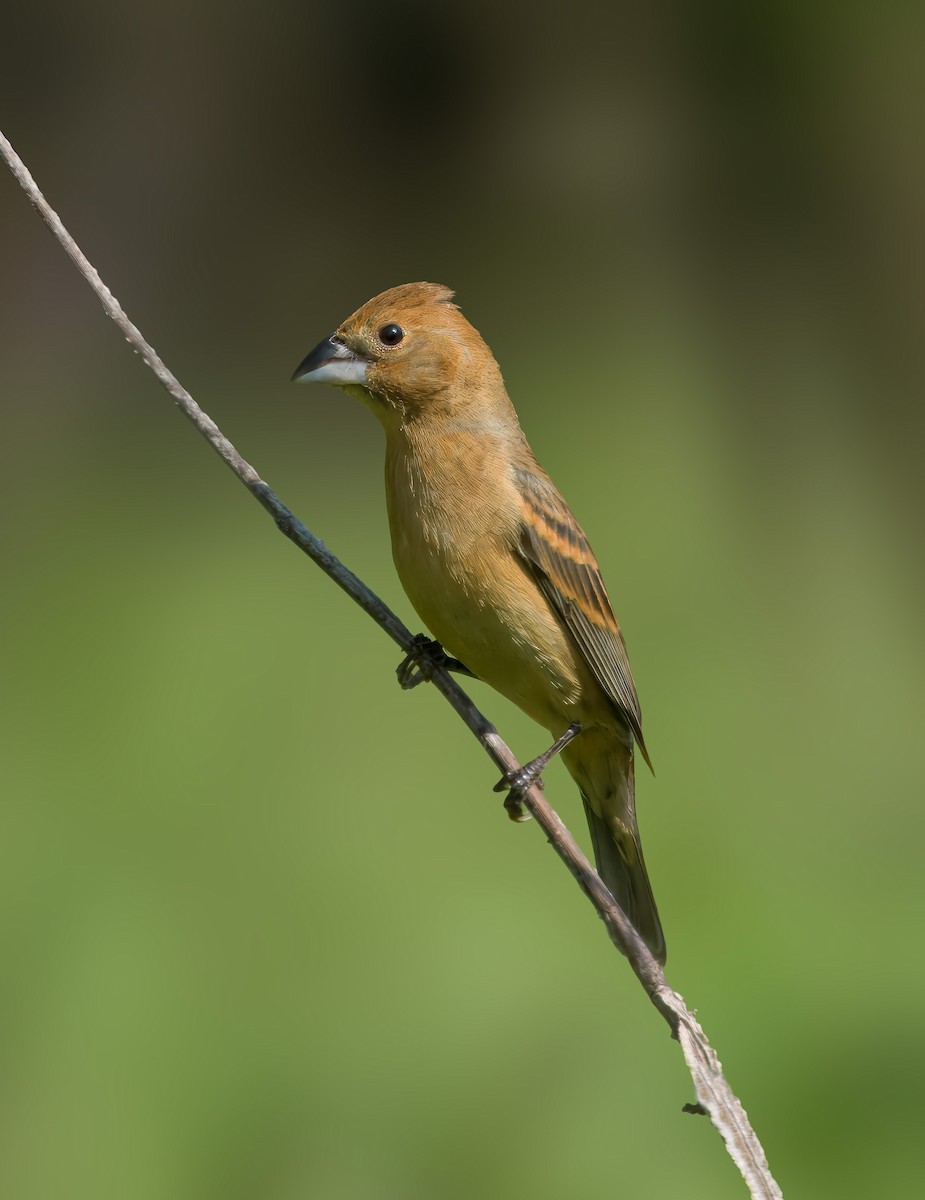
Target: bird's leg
(515, 783)
(418, 666)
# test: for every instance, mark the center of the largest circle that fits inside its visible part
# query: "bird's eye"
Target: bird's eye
(391, 334)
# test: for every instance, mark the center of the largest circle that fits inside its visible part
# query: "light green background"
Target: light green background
(265, 932)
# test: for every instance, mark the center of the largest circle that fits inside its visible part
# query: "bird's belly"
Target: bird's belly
(495, 620)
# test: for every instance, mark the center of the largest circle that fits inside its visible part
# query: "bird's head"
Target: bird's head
(406, 353)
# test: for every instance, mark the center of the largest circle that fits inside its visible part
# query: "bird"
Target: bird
(492, 558)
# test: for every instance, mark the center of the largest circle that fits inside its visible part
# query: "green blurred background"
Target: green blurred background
(264, 930)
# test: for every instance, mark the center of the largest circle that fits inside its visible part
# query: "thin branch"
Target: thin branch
(714, 1096)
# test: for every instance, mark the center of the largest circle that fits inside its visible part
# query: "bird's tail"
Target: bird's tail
(618, 854)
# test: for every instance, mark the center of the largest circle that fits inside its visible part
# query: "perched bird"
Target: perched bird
(492, 558)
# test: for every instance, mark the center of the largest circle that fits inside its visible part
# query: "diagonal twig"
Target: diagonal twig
(714, 1096)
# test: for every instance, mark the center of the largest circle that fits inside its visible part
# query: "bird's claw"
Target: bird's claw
(522, 780)
(515, 808)
(418, 665)
(424, 657)
(516, 783)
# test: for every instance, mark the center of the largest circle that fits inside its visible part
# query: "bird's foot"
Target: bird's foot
(425, 655)
(418, 665)
(516, 783)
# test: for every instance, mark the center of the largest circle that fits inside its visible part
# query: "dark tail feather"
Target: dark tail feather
(628, 882)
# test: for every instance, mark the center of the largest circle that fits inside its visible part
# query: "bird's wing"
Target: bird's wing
(564, 565)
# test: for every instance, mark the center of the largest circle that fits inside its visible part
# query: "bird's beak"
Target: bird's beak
(332, 362)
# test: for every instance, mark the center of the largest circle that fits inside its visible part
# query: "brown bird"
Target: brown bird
(493, 559)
